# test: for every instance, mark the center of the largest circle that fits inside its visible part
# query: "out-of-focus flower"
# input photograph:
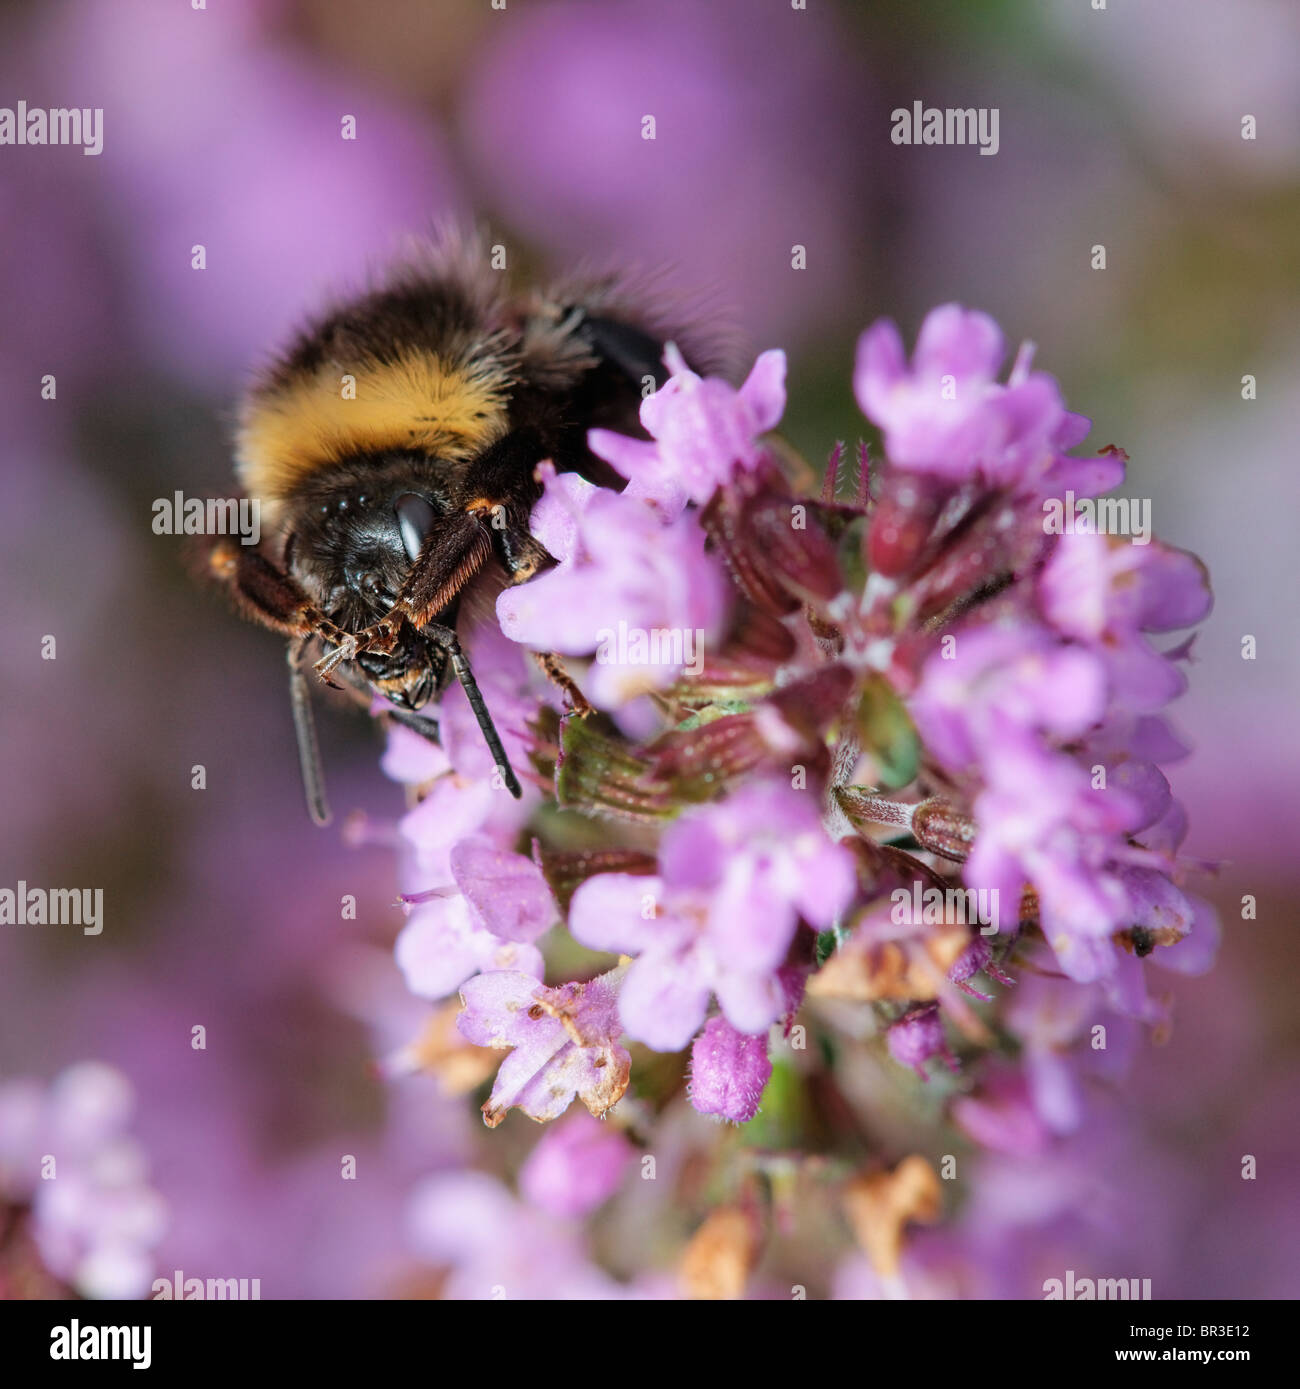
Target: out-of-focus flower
(70, 1172)
(577, 1164)
(492, 1246)
(1069, 1038)
(721, 1254)
(880, 1205)
(1002, 1116)
(1107, 592)
(976, 957)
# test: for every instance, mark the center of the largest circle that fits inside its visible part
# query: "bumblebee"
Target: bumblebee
(393, 450)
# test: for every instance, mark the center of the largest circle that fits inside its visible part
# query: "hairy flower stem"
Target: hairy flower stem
(863, 808)
(936, 824)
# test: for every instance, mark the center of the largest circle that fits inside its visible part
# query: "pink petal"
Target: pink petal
(764, 391)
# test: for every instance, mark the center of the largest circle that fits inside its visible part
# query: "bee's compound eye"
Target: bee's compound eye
(415, 518)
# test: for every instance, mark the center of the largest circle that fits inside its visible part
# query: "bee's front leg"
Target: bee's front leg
(380, 636)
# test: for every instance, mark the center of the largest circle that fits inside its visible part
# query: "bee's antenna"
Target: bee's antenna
(450, 643)
(304, 727)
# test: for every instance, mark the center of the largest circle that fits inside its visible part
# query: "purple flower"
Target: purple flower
(64, 1151)
(1005, 682)
(578, 1164)
(1085, 477)
(410, 758)
(736, 877)
(1040, 821)
(993, 689)
(1107, 591)
(994, 712)
(622, 572)
(729, 1070)
(557, 515)
(948, 415)
(1053, 1021)
(918, 1036)
(563, 1042)
(455, 808)
(443, 944)
(704, 430)
(1195, 953)
(499, 906)
(1185, 926)
(506, 890)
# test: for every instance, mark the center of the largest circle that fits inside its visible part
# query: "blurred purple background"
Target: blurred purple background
(222, 127)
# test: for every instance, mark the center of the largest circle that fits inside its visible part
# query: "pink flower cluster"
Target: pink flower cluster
(74, 1187)
(840, 708)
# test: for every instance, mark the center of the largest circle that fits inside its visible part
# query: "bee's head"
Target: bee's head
(356, 531)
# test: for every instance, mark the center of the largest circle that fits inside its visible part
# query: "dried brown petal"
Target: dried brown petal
(879, 1205)
(898, 970)
(440, 1050)
(721, 1255)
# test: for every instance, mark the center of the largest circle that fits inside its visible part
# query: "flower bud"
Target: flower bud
(916, 1037)
(729, 1069)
